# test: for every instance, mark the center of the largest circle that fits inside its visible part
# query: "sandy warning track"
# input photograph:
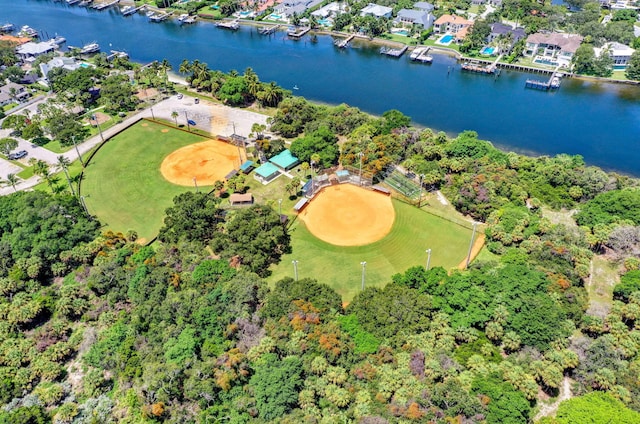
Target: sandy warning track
(346, 215)
(208, 162)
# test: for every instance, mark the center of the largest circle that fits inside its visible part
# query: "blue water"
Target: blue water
(597, 120)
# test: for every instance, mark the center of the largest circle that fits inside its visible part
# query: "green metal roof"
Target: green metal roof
(267, 170)
(284, 159)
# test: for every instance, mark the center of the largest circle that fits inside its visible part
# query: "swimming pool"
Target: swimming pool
(401, 32)
(487, 50)
(275, 17)
(324, 22)
(245, 13)
(446, 39)
(546, 62)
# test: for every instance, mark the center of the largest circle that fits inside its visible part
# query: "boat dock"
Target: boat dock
(553, 83)
(298, 32)
(188, 20)
(421, 54)
(343, 44)
(133, 10)
(393, 52)
(268, 30)
(160, 17)
(102, 6)
(115, 53)
(232, 25)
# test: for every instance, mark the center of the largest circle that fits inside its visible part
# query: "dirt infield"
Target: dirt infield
(346, 215)
(208, 162)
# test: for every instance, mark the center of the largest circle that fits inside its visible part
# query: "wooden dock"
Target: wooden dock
(343, 44)
(478, 67)
(268, 30)
(298, 32)
(134, 10)
(393, 52)
(102, 6)
(160, 17)
(553, 83)
(232, 25)
(421, 54)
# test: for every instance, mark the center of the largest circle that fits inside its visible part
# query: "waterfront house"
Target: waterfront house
(28, 52)
(452, 24)
(376, 11)
(408, 17)
(619, 53)
(288, 8)
(330, 10)
(499, 29)
(553, 48)
(68, 63)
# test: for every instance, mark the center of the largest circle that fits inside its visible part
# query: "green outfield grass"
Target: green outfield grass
(123, 185)
(413, 232)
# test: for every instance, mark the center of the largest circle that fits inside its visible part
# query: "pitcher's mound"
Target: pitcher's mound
(346, 215)
(207, 162)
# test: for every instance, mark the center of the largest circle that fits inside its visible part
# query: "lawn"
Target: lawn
(413, 232)
(123, 185)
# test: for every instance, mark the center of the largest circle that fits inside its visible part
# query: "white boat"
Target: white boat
(90, 48)
(58, 40)
(27, 31)
(295, 87)
(71, 2)
(127, 10)
(7, 27)
(182, 17)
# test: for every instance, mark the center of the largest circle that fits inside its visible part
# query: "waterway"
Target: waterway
(599, 121)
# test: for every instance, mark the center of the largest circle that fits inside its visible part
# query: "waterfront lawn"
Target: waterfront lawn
(413, 232)
(123, 185)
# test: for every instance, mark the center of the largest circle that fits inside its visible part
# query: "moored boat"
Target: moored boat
(27, 31)
(90, 48)
(7, 27)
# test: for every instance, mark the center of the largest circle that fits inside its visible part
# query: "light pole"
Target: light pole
(364, 266)
(360, 176)
(152, 115)
(420, 198)
(295, 269)
(187, 118)
(195, 183)
(473, 235)
(428, 258)
(84, 206)
(279, 206)
(98, 125)
(73, 138)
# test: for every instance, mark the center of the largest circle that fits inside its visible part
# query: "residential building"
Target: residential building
(330, 10)
(553, 48)
(288, 8)
(29, 51)
(376, 11)
(620, 53)
(414, 17)
(424, 6)
(67, 63)
(451, 24)
(499, 29)
(11, 92)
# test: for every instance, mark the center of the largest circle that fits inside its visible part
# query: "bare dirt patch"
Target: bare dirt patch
(164, 130)
(207, 162)
(346, 215)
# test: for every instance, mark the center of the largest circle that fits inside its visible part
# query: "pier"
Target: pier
(393, 52)
(343, 44)
(553, 83)
(232, 25)
(298, 32)
(103, 6)
(115, 53)
(160, 17)
(482, 66)
(421, 54)
(268, 30)
(133, 10)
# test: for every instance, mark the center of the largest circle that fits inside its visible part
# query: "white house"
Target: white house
(451, 23)
(620, 53)
(414, 17)
(11, 92)
(67, 63)
(29, 51)
(376, 11)
(554, 48)
(330, 10)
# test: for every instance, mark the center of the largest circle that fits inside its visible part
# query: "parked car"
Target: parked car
(191, 122)
(18, 155)
(179, 95)
(196, 101)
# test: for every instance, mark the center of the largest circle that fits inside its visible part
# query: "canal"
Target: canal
(599, 121)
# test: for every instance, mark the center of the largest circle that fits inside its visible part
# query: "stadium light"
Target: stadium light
(420, 198)
(428, 258)
(98, 125)
(279, 206)
(364, 266)
(295, 269)
(361, 154)
(195, 183)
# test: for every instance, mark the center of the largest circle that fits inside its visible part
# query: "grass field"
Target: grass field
(413, 232)
(123, 185)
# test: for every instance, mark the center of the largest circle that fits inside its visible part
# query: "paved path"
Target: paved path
(214, 118)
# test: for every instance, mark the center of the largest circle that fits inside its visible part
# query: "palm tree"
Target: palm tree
(253, 83)
(12, 179)
(63, 164)
(165, 66)
(174, 115)
(185, 67)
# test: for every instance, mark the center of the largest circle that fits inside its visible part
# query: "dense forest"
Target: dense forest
(97, 328)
